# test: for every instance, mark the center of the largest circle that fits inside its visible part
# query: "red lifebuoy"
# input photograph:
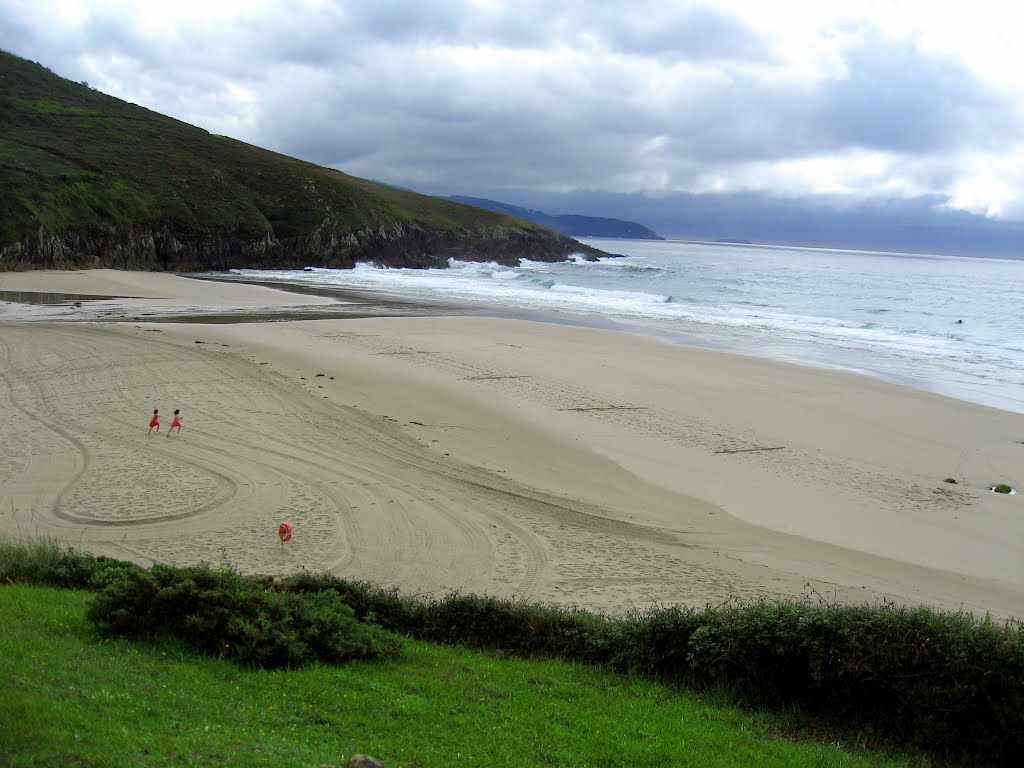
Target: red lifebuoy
(285, 532)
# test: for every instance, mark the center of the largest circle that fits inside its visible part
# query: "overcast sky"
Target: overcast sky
(852, 101)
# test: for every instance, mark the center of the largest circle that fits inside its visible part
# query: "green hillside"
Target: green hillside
(88, 180)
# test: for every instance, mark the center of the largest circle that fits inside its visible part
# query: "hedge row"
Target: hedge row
(950, 683)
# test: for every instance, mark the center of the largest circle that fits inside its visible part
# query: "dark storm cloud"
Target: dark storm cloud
(338, 61)
(468, 97)
(591, 129)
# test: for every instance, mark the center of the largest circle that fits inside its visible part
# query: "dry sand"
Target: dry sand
(552, 463)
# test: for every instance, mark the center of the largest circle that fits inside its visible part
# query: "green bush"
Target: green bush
(516, 627)
(947, 682)
(223, 613)
(656, 645)
(385, 607)
(47, 562)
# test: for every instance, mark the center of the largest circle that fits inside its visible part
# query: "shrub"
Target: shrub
(516, 627)
(1002, 488)
(47, 562)
(385, 607)
(222, 613)
(509, 626)
(656, 644)
(947, 682)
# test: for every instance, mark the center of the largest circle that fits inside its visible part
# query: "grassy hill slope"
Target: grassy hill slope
(73, 698)
(88, 180)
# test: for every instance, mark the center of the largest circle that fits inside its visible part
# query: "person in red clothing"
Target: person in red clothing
(155, 421)
(175, 423)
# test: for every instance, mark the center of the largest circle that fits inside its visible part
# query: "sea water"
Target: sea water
(948, 324)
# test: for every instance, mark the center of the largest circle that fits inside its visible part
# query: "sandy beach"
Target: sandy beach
(553, 463)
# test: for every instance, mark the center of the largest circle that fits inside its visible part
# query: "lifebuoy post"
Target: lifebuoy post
(284, 533)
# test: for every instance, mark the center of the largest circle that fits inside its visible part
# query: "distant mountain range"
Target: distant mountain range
(568, 224)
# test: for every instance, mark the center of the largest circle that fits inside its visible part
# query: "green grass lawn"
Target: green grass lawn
(71, 699)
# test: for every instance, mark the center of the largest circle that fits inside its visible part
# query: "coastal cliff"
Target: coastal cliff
(88, 181)
(165, 247)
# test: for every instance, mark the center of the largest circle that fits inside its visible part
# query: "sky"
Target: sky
(732, 107)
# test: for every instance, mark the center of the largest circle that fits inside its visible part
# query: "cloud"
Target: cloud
(644, 97)
(895, 98)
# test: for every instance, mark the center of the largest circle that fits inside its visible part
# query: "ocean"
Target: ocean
(946, 324)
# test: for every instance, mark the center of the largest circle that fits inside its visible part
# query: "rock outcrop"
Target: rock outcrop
(169, 248)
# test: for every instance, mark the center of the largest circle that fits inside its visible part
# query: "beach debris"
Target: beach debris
(1002, 488)
(949, 480)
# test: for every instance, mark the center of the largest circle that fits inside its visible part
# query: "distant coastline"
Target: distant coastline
(573, 225)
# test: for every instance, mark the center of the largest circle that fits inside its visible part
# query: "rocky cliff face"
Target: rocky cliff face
(164, 247)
